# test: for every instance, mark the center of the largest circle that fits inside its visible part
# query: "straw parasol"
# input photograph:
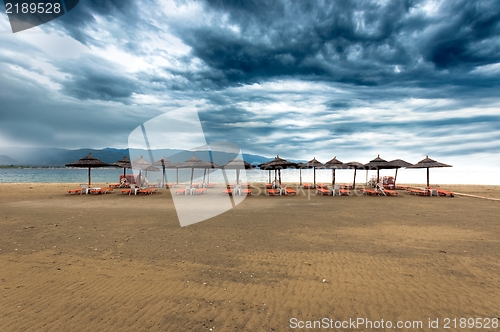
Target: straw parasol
(354, 165)
(193, 163)
(165, 163)
(313, 163)
(428, 163)
(124, 163)
(399, 163)
(238, 164)
(378, 164)
(277, 164)
(335, 164)
(89, 162)
(143, 165)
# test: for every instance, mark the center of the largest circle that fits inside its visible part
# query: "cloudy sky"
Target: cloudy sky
(301, 79)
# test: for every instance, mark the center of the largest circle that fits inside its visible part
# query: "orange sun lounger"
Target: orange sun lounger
(74, 191)
(227, 192)
(272, 192)
(200, 191)
(307, 186)
(322, 191)
(290, 191)
(419, 192)
(370, 192)
(246, 191)
(344, 192)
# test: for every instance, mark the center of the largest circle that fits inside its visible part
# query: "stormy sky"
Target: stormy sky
(302, 79)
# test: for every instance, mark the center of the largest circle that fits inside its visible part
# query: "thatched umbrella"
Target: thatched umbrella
(165, 163)
(193, 163)
(354, 165)
(378, 164)
(428, 163)
(143, 165)
(335, 164)
(313, 163)
(399, 163)
(278, 164)
(124, 163)
(238, 164)
(89, 162)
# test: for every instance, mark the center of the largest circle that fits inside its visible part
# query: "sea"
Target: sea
(438, 176)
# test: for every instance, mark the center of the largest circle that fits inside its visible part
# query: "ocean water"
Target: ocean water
(438, 176)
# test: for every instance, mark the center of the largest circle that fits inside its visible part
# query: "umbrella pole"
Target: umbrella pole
(279, 174)
(427, 177)
(300, 172)
(395, 177)
(163, 184)
(204, 174)
(192, 174)
(237, 176)
(208, 178)
(269, 176)
(314, 168)
(354, 182)
(378, 175)
(89, 176)
(177, 176)
(333, 177)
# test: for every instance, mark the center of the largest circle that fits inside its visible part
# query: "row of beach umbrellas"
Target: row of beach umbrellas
(276, 165)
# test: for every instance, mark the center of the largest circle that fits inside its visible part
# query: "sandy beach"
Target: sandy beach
(123, 263)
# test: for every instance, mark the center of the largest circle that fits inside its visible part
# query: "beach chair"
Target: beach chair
(346, 186)
(180, 192)
(273, 192)
(322, 186)
(370, 192)
(109, 190)
(210, 185)
(228, 192)
(307, 186)
(344, 192)
(442, 192)
(245, 192)
(85, 189)
(97, 191)
(418, 192)
(200, 191)
(74, 191)
(289, 192)
(269, 186)
(386, 192)
(322, 191)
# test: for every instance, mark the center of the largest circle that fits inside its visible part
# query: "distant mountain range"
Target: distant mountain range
(55, 157)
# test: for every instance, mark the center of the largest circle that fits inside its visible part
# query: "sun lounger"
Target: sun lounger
(401, 187)
(344, 192)
(269, 186)
(387, 192)
(98, 191)
(200, 191)
(109, 190)
(210, 185)
(322, 186)
(370, 192)
(307, 186)
(272, 192)
(290, 192)
(419, 192)
(322, 191)
(227, 192)
(346, 186)
(170, 185)
(74, 191)
(180, 192)
(246, 192)
(442, 192)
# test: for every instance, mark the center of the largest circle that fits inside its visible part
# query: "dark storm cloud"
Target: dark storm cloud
(96, 78)
(352, 42)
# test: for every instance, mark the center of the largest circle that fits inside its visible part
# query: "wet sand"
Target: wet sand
(123, 263)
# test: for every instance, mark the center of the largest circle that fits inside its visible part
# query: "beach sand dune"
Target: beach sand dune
(123, 263)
